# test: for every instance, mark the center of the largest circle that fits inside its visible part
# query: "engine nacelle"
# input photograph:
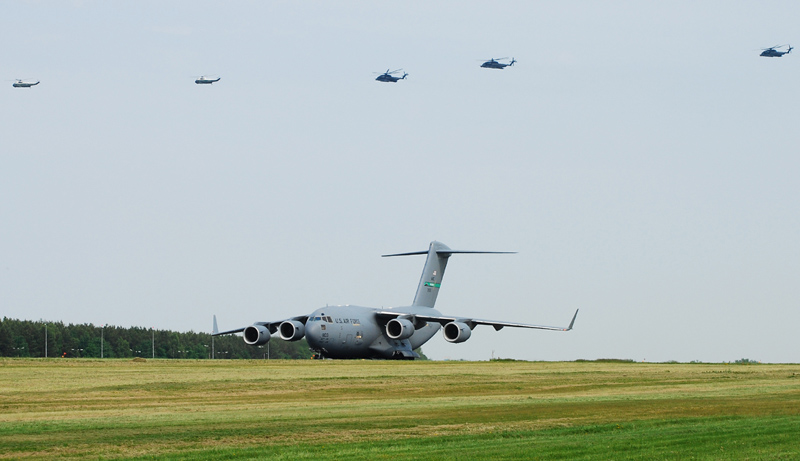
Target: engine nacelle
(399, 329)
(292, 330)
(457, 332)
(256, 335)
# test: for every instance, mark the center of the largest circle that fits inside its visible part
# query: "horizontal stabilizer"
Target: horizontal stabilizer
(433, 271)
(449, 252)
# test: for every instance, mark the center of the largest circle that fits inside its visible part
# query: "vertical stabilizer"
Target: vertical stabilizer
(215, 330)
(432, 274)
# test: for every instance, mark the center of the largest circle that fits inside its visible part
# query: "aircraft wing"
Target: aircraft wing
(472, 323)
(271, 326)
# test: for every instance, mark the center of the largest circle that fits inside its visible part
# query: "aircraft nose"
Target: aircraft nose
(313, 333)
(313, 328)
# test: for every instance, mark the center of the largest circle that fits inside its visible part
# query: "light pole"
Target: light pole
(153, 346)
(45, 340)
(102, 330)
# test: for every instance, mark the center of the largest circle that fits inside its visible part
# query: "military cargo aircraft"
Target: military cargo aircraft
(353, 332)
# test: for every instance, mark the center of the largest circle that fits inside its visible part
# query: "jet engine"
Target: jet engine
(399, 329)
(292, 330)
(256, 335)
(457, 332)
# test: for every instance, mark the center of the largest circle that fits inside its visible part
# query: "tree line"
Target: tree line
(26, 338)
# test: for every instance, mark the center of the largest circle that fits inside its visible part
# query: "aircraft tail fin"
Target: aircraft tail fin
(215, 330)
(433, 271)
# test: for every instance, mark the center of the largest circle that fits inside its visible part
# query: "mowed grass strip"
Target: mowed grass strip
(223, 408)
(690, 438)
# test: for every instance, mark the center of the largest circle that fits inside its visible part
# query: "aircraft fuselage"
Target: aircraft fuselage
(356, 332)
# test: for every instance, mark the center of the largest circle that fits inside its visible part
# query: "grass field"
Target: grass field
(223, 409)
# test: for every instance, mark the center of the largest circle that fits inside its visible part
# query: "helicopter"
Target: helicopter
(203, 80)
(772, 52)
(388, 77)
(495, 64)
(23, 84)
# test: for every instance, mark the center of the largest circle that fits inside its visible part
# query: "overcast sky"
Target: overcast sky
(640, 156)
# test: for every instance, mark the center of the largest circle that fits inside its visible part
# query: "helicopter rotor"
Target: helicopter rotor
(387, 72)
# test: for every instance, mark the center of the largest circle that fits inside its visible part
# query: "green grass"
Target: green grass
(396, 410)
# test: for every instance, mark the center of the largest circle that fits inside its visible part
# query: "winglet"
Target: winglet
(215, 330)
(573, 320)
